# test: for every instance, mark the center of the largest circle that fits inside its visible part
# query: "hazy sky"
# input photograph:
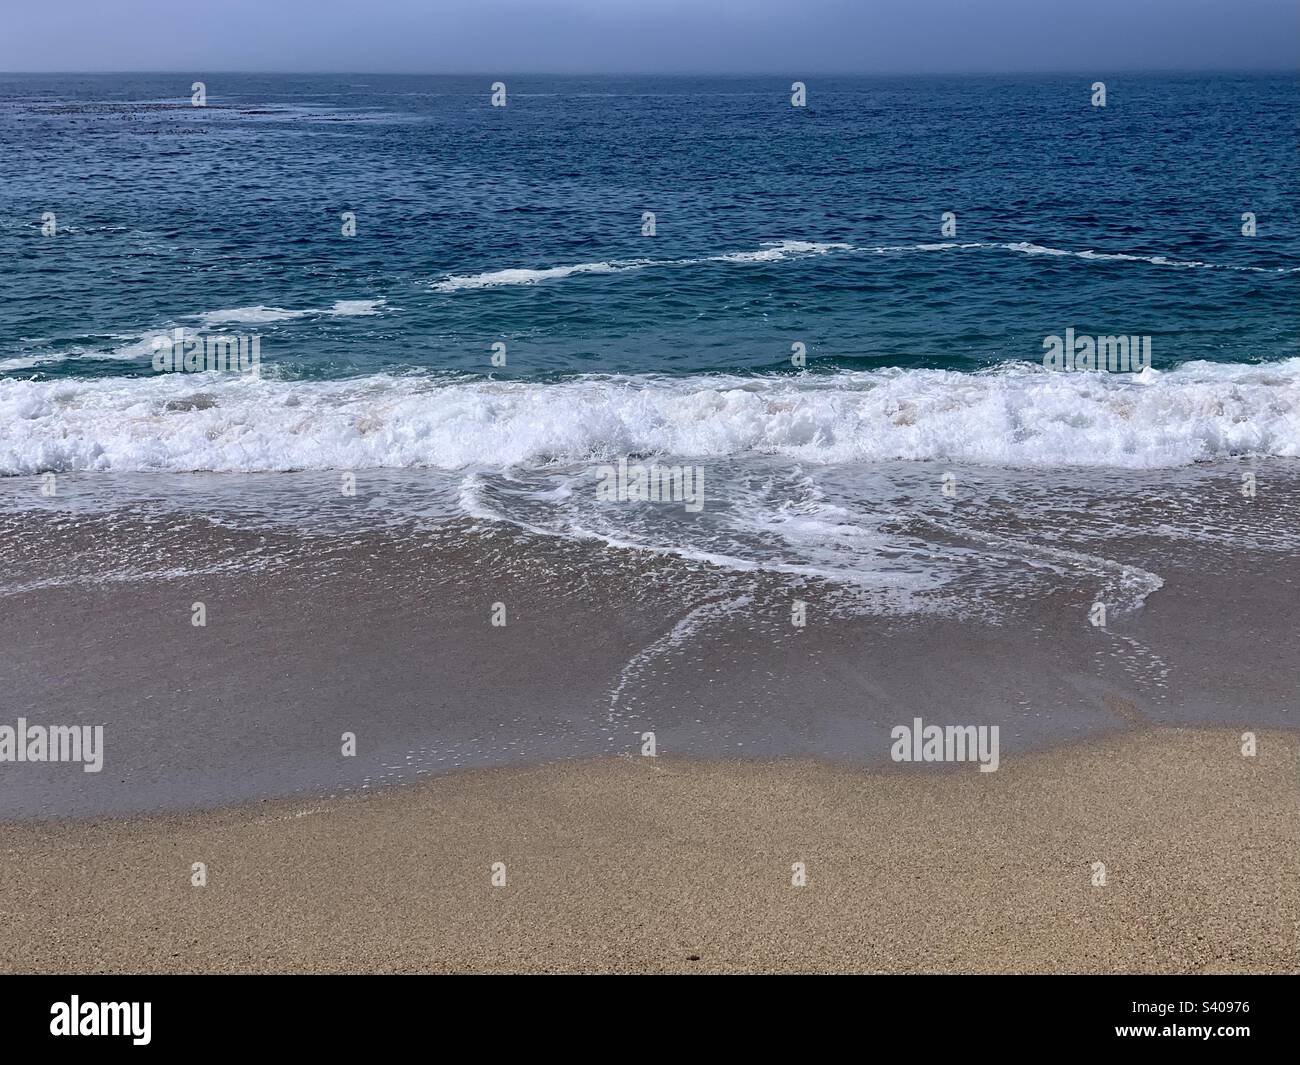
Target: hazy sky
(787, 37)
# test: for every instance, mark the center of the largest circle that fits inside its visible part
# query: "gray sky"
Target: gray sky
(787, 37)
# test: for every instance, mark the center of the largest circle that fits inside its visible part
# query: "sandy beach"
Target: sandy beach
(1123, 830)
(670, 865)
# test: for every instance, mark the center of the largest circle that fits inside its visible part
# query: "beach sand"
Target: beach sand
(520, 744)
(635, 864)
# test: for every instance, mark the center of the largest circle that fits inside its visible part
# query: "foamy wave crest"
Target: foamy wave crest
(772, 251)
(135, 348)
(1016, 415)
(259, 314)
(30, 362)
(1154, 260)
(530, 277)
(775, 251)
(142, 347)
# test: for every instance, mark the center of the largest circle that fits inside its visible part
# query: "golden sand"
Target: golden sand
(655, 865)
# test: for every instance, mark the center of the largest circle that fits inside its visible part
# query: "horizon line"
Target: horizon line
(1092, 72)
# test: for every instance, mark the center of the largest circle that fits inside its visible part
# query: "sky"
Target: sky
(786, 37)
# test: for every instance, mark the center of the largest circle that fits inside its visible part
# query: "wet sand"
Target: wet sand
(388, 634)
(671, 865)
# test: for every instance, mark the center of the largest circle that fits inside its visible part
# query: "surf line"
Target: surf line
(772, 251)
(672, 640)
(783, 250)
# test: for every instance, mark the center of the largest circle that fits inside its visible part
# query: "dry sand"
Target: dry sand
(668, 865)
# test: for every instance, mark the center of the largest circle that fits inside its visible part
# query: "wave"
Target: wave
(1016, 415)
(1155, 260)
(531, 277)
(771, 251)
(29, 362)
(134, 348)
(776, 251)
(142, 347)
(260, 313)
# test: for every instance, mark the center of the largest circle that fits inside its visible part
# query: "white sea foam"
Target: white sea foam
(776, 251)
(1018, 415)
(676, 639)
(142, 347)
(29, 362)
(771, 251)
(1124, 257)
(493, 278)
(260, 314)
(135, 347)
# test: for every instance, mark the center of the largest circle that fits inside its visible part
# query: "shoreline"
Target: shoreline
(316, 630)
(629, 864)
(520, 743)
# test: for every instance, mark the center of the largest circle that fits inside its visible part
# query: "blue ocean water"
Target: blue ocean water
(167, 211)
(127, 213)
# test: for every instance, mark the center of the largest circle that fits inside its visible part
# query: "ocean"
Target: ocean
(501, 317)
(829, 318)
(522, 224)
